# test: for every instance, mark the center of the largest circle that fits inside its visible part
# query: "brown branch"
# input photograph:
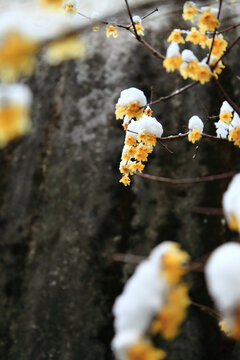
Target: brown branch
(150, 48)
(188, 180)
(207, 309)
(227, 97)
(228, 28)
(175, 93)
(128, 258)
(207, 210)
(133, 24)
(149, 14)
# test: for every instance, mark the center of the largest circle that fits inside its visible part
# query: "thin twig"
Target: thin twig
(207, 210)
(128, 258)
(188, 180)
(150, 48)
(228, 28)
(174, 93)
(227, 97)
(152, 12)
(165, 147)
(133, 24)
(207, 309)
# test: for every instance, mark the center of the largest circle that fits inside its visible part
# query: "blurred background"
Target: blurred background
(64, 214)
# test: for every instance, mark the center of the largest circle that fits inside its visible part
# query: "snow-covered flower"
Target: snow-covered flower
(131, 102)
(190, 11)
(173, 58)
(223, 277)
(176, 36)
(137, 310)
(195, 126)
(226, 112)
(15, 103)
(231, 204)
(138, 25)
(207, 21)
(140, 138)
(221, 129)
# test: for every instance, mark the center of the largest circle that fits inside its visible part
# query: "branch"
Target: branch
(188, 180)
(207, 210)
(133, 24)
(215, 31)
(227, 97)
(228, 28)
(175, 93)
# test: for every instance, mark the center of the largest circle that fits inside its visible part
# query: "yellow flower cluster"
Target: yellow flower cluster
(135, 152)
(132, 110)
(207, 22)
(17, 56)
(170, 317)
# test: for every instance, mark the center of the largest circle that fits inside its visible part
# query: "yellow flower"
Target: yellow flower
(189, 11)
(171, 316)
(125, 180)
(145, 351)
(147, 138)
(219, 68)
(233, 222)
(95, 27)
(17, 56)
(51, 4)
(204, 74)
(172, 63)
(197, 38)
(219, 46)
(174, 264)
(111, 30)
(132, 109)
(130, 141)
(14, 122)
(207, 21)
(226, 117)
(137, 166)
(142, 153)
(125, 169)
(139, 28)
(69, 8)
(194, 135)
(148, 111)
(190, 70)
(176, 36)
(68, 48)
(234, 136)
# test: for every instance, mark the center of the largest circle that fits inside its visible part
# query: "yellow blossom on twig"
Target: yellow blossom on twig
(111, 31)
(176, 36)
